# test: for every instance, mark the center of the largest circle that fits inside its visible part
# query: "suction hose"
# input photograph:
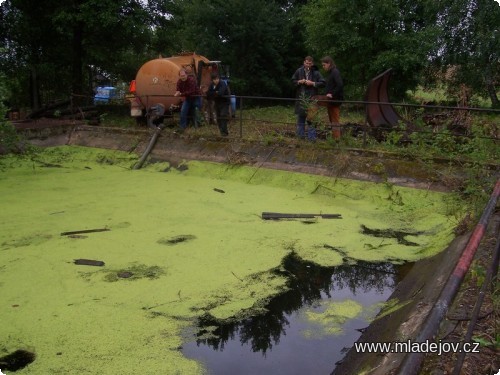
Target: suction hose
(151, 144)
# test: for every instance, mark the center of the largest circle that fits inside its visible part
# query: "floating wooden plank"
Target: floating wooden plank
(278, 216)
(84, 231)
(89, 262)
(331, 216)
(219, 190)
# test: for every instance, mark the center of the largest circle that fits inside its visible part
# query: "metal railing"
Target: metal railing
(244, 104)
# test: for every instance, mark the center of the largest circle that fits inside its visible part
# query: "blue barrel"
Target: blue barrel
(104, 94)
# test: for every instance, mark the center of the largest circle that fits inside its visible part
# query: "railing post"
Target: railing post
(241, 117)
(364, 134)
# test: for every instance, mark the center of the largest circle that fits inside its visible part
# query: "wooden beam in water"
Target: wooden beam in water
(278, 216)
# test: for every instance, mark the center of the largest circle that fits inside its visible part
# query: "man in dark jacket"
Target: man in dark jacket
(307, 80)
(219, 92)
(334, 91)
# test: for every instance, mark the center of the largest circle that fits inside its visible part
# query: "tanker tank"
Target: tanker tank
(155, 84)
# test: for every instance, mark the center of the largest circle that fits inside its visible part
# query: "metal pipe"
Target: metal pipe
(361, 102)
(413, 361)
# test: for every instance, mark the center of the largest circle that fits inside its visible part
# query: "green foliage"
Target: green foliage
(9, 139)
(112, 120)
(271, 113)
(3, 98)
(367, 37)
(478, 273)
(470, 45)
(52, 49)
(12, 142)
(492, 341)
(306, 102)
(256, 47)
(478, 147)
(58, 48)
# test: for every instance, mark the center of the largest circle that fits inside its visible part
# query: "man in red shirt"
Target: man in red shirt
(187, 87)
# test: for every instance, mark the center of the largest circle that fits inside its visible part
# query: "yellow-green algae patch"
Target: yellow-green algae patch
(332, 318)
(200, 230)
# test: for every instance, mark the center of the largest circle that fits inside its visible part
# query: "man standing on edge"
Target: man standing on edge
(219, 93)
(188, 88)
(307, 80)
(334, 91)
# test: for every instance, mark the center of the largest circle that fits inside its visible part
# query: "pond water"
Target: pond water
(284, 340)
(105, 269)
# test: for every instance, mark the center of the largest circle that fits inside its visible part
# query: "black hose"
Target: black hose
(152, 142)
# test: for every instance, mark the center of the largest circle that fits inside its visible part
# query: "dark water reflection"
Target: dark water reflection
(274, 343)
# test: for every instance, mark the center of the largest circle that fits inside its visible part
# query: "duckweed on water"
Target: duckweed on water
(218, 262)
(332, 318)
(135, 272)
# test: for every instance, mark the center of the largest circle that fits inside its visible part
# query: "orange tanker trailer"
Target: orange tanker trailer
(152, 92)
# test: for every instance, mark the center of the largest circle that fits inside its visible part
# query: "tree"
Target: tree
(470, 45)
(252, 37)
(102, 33)
(366, 37)
(58, 42)
(29, 47)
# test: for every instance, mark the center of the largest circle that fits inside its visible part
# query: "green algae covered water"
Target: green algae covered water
(177, 244)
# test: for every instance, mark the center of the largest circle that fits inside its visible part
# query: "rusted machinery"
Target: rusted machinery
(380, 114)
(152, 91)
